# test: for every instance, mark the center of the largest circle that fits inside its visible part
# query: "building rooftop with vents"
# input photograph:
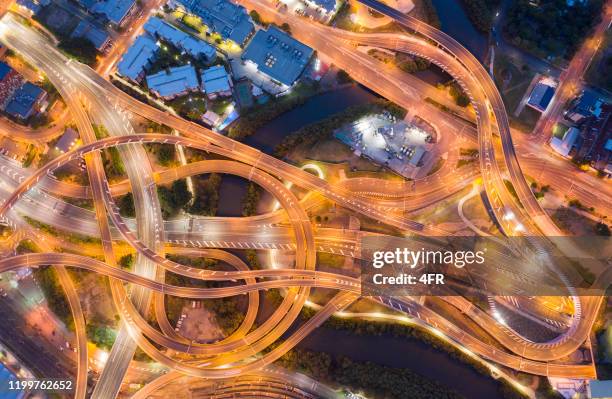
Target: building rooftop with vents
(278, 55)
(25, 100)
(229, 20)
(195, 47)
(137, 57)
(98, 37)
(216, 81)
(173, 82)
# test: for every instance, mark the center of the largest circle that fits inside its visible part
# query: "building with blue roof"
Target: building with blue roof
(540, 96)
(278, 55)
(216, 82)
(26, 101)
(116, 11)
(100, 38)
(195, 47)
(137, 58)
(174, 82)
(31, 5)
(231, 21)
(589, 103)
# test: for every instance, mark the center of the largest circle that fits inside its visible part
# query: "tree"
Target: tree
(602, 229)
(80, 48)
(343, 77)
(256, 17)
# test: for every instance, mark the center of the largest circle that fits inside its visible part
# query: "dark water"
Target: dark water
(313, 110)
(405, 353)
(456, 23)
(231, 192)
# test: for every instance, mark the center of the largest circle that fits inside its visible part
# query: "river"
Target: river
(455, 22)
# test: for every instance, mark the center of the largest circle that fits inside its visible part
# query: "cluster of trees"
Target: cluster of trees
(112, 163)
(553, 29)
(166, 153)
(80, 49)
(174, 198)
(126, 261)
(539, 191)
(461, 99)
(54, 294)
(342, 77)
(26, 247)
(228, 311)
(101, 335)
(206, 195)
(310, 134)
(250, 200)
(256, 118)
(481, 13)
(252, 259)
(126, 205)
(411, 64)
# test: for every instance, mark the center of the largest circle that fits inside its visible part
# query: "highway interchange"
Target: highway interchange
(234, 356)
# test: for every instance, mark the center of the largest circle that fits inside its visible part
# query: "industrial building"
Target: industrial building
(278, 55)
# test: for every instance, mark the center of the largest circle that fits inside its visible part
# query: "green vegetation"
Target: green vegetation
(262, 114)
(461, 99)
(26, 247)
(331, 260)
(249, 202)
(206, 195)
(375, 380)
(342, 77)
(512, 190)
(80, 49)
(410, 63)
(315, 132)
(102, 336)
(126, 261)
(539, 191)
(126, 206)
(552, 29)
(431, 15)
(113, 164)
(191, 106)
(227, 311)
(602, 229)
(255, 17)
(252, 259)
(30, 155)
(598, 73)
(173, 199)
(575, 203)
(74, 238)
(481, 13)
(54, 294)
